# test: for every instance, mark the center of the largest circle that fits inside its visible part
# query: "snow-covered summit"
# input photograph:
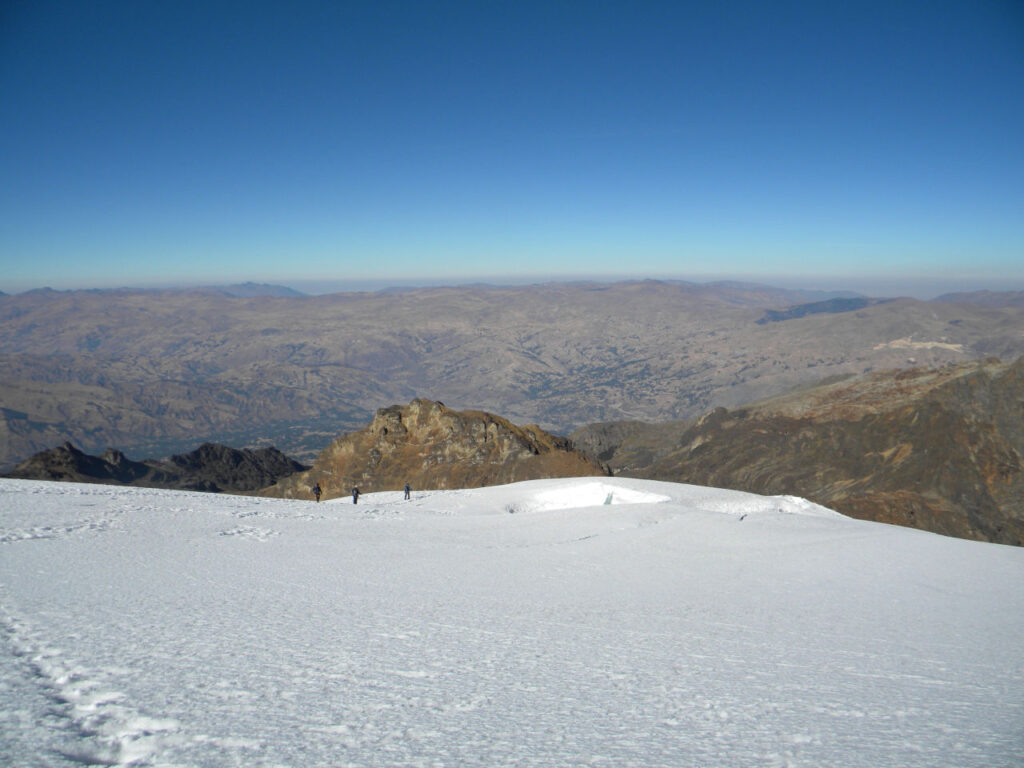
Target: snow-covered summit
(590, 621)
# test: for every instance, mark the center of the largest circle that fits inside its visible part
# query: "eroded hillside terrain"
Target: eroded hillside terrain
(155, 372)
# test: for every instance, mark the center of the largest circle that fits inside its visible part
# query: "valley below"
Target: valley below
(156, 372)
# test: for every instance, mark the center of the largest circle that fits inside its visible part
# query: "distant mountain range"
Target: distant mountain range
(252, 290)
(233, 290)
(939, 449)
(152, 372)
(985, 298)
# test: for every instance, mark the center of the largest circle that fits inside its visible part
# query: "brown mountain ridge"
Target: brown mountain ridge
(430, 446)
(933, 448)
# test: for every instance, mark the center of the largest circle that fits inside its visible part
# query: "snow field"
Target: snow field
(673, 626)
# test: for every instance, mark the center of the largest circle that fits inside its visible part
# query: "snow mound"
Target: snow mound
(744, 504)
(576, 495)
(795, 505)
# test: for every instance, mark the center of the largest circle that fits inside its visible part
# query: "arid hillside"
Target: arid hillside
(933, 448)
(155, 372)
(430, 446)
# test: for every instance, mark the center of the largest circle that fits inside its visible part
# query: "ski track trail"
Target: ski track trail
(458, 631)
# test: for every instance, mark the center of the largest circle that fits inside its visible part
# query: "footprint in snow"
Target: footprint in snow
(260, 534)
(103, 728)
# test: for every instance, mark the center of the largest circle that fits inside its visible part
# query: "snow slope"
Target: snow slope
(598, 622)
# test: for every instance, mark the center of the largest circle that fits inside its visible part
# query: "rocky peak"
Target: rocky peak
(210, 467)
(114, 457)
(67, 462)
(429, 445)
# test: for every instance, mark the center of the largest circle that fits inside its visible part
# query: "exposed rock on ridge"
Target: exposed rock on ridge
(430, 446)
(210, 467)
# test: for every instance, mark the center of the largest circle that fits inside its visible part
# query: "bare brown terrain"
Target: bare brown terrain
(933, 448)
(153, 373)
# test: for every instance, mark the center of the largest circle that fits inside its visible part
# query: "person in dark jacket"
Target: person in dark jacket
(355, 495)
(317, 492)
(407, 490)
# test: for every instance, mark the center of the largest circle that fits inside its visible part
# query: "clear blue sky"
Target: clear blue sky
(836, 142)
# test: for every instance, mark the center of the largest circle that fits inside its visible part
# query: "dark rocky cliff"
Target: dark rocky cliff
(210, 467)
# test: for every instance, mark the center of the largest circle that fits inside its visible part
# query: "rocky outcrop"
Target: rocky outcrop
(430, 446)
(937, 449)
(67, 463)
(210, 467)
(221, 468)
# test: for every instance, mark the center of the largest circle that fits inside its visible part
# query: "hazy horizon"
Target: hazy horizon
(873, 286)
